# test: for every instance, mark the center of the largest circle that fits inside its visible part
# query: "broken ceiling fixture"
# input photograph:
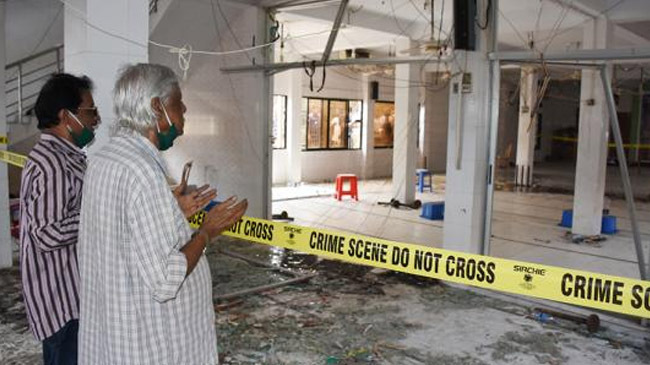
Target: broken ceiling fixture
(387, 70)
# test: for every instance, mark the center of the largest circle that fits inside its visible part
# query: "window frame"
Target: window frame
(286, 98)
(347, 124)
(373, 126)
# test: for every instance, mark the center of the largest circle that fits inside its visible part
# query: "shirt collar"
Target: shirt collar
(65, 145)
(149, 147)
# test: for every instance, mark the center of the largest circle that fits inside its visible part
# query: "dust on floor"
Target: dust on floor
(352, 314)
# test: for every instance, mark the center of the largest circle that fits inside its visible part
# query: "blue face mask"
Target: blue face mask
(166, 139)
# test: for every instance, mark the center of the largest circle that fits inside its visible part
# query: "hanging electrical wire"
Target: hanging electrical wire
(556, 27)
(589, 19)
(523, 40)
(252, 145)
(230, 30)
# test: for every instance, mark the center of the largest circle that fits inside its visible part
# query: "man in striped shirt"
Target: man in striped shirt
(50, 202)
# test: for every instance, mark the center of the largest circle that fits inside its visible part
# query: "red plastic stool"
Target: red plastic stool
(340, 180)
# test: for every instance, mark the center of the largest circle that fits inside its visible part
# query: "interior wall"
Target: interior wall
(436, 101)
(225, 134)
(560, 111)
(32, 26)
(319, 166)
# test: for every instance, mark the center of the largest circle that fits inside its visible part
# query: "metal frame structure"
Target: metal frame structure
(575, 59)
(582, 59)
(279, 67)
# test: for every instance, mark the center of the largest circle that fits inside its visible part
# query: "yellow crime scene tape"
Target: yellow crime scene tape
(610, 145)
(13, 158)
(588, 289)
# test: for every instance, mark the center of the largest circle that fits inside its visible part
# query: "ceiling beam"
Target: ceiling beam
(366, 19)
(278, 67)
(641, 54)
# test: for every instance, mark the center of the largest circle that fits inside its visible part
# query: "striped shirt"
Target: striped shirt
(50, 202)
(137, 305)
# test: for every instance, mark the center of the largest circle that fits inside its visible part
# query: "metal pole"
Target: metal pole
(632, 53)
(58, 60)
(493, 127)
(334, 32)
(20, 93)
(622, 163)
(278, 67)
(637, 132)
(494, 133)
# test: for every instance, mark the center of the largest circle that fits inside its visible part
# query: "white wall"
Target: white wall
(436, 101)
(318, 166)
(280, 175)
(32, 26)
(225, 134)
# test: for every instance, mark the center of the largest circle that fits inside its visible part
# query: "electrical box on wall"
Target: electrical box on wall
(465, 84)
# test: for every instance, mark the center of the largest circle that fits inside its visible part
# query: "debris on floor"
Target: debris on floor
(593, 241)
(350, 314)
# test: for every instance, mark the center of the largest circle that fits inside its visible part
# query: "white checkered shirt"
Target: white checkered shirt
(137, 306)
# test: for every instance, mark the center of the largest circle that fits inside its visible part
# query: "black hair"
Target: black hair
(61, 91)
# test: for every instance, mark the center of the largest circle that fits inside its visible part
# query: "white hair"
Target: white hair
(136, 85)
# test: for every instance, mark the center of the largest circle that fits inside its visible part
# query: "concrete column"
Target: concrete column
(294, 121)
(468, 142)
(527, 130)
(368, 136)
(636, 122)
(436, 119)
(98, 55)
(406, 124)
(593, 134)
(5, 233)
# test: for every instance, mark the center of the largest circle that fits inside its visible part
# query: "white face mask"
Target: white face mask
(76, 119)
(166, 117)
(166, 139)
(84, 137)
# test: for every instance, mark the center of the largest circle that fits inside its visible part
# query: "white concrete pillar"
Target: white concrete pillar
(468, 142)
(593, 135)
(294, 121)
(406, 124)
(98, 55)
(368, 136)
(5, 232)
(527, 130)
(467, 157)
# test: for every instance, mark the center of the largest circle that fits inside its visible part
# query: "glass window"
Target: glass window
(338, 128)
(332, 123)
(384, 123)
(355, 114)
(316, 128)
(303, 127)
(279, 121)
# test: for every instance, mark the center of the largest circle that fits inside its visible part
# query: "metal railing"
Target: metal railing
(24, 79)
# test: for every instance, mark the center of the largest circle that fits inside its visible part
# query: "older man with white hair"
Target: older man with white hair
(146, 289)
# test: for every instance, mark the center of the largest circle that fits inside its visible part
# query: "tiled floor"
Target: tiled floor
(525, 225)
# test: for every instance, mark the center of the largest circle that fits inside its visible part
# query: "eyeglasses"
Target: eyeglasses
(93, 110)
